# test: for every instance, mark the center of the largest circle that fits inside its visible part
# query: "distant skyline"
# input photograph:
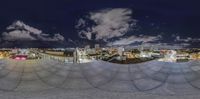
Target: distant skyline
(108, 22)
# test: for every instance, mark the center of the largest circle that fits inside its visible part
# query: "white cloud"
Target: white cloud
(56, 37)
(20, 24)
(164, 45)
(133, 39)
(188, 39)
(168, 46)
(148, 42)
(81, 23)
(20, 31)
(185, 44)
(178, 38)
(17, 35)
(108, 23)
(160, 45)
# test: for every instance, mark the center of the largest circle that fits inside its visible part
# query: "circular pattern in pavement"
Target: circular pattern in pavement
(153, 77)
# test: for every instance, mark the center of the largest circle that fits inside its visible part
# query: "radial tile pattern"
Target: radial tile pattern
(152, 77)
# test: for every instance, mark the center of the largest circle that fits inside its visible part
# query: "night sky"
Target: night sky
(158, 22)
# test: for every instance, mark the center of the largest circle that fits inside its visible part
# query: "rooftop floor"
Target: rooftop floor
(48, 79)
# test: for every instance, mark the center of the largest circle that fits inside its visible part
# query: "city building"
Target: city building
(120, 51)
(169, 56)
(129, 55)
(87, 47)
(195, 56)
(80, 56)
(97, 46)
(145, 54)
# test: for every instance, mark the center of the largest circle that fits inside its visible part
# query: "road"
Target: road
(50, 79)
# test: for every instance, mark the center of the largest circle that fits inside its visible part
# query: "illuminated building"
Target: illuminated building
(4, 54)
(182, 56)
(112, 51)
(120, 51)
(129, 55)
(81, 56)
(145, 54)
(87, 47)
(169, 56)
(96, 46)
(195, 56)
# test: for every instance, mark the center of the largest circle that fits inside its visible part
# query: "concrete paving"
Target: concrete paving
(50, 79)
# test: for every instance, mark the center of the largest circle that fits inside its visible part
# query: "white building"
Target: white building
(120, 51)
(80, 56)
(144, 54)
(170, 56)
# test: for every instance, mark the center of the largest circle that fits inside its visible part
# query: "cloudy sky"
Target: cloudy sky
(171, 23)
